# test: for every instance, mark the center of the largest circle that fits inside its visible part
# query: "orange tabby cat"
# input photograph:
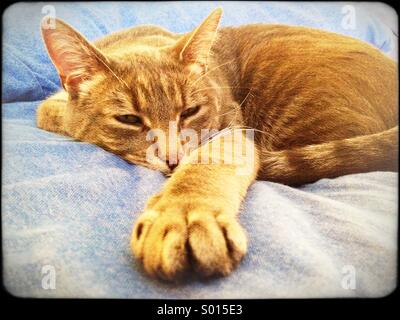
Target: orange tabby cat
(322, 105)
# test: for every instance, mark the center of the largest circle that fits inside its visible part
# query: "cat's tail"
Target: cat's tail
(374, 152)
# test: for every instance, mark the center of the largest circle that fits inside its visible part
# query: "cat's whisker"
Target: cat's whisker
(245, 98)
(112, 71)
(226, 113)
(232, 121)
(271, 137)
(213, 69)
(237, 109)
(217, 87)
(219, 134)
(244, 127)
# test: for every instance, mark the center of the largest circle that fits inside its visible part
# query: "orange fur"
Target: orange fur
(322, 105)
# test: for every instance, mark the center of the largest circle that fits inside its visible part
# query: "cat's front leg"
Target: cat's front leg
(51, 112)
(193, 221)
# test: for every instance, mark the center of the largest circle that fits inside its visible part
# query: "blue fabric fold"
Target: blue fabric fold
(71, 205)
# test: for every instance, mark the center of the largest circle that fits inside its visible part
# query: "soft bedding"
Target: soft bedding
(71, 206)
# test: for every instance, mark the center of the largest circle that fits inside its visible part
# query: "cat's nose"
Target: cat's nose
(172, 165)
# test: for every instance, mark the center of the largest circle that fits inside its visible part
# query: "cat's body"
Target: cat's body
(322, 105)
(309, 87)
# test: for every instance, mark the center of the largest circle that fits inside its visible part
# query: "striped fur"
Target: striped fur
(322, 105)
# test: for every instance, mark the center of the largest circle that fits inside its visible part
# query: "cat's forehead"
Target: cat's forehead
(155, 86)
(152, 64)
(152, 91)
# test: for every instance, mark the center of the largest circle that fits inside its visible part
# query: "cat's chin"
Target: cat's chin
(156, 164)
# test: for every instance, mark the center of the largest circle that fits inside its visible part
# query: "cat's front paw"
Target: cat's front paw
(50, 116)
(170, 238)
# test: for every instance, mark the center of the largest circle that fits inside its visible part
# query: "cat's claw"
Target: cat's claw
(158, 240)
(170, 240)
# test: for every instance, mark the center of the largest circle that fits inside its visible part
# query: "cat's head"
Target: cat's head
(117, 96)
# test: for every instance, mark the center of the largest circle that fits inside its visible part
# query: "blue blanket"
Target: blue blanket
(70, 206)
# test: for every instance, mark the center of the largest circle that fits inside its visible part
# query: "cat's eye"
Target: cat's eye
(130, 119)
(190, 112)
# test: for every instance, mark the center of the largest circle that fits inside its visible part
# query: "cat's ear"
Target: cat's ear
(194, 47)
(75, 59)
